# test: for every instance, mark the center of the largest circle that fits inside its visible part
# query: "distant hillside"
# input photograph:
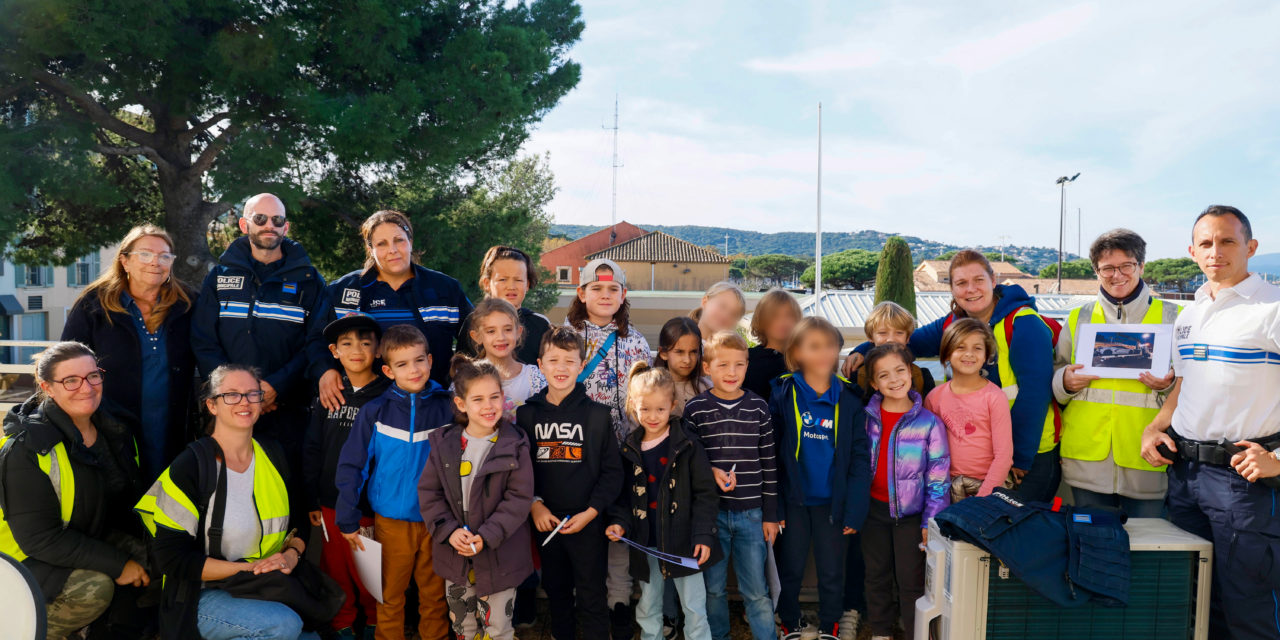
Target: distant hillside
(800, 243)
(1265, 263)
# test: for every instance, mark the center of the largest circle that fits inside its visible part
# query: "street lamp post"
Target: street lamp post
(1062, 217)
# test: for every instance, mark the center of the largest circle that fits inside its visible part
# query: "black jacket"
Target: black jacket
(179, 558)
(326, 434)
(687, 503)
(261, 323)
(535, 326)
(575, 454)
(115, 341)
(763, 365)
(31, 507)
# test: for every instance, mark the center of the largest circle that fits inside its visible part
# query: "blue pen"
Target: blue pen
(473, 545)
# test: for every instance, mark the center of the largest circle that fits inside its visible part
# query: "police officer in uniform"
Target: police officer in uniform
(1227, 361)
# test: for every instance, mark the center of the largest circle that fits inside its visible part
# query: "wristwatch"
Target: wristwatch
(1276, 454)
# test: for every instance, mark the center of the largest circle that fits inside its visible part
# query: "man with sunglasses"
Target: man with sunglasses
(256, 309)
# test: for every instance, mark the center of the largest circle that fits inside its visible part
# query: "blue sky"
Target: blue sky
(945, 120)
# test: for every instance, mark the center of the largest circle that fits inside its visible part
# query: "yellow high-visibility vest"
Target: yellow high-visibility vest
(1108, 416)
(165, 505)
(1009, 381)
(55, 464)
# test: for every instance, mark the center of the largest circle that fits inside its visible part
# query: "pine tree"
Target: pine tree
(894, 278)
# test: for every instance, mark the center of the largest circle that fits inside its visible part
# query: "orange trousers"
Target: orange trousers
(406, 555)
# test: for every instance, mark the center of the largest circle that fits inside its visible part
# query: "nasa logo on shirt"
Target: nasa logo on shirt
(230, 283)
(351, 297)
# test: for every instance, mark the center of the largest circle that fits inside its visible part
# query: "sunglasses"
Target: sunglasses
(260, 219)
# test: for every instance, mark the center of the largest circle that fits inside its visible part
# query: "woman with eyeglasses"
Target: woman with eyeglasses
(219, 512)
(68, 481)
(1104, 418)
(137, 318)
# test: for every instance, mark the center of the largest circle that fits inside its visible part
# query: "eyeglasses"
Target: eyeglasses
(1127, 269)
(73, 383)
(149, 257)
(234, 397)
(260, 219)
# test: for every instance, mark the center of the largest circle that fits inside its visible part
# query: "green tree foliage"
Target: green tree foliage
(1081, 268)
(894, 278)
(1175, 273)
(123, 110)
(775, 268)
(453, 225)
(851, 269)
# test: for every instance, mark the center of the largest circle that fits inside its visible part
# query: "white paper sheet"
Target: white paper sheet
(369, 567)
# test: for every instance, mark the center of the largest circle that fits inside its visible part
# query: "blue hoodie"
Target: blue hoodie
(386, 451)
(262, 323)
(1030, 357)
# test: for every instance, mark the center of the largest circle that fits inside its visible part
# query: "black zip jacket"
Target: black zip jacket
(763, 365)
(687, 503)
(261, 323)
(31, 507)
(115, 341)
(326, 434)
(575, 454)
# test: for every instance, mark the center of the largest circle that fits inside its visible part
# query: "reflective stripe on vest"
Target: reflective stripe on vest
(165, 505)
(1108, 416)
(55, 464)
(1009, 382)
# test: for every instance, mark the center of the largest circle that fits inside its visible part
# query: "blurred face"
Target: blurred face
(973, 289)
(682, 357)
(892, 377)
(81, 373)
(243, 413)
(391, 249)
(780, 327)
(354, 352)
(602, 298)
(508, 280)
(498, 335)
(720, 312)
(889, 334)
(653, 411)
(969, 356)
(148, 261)
(1118, 273)
(727, 369)
(264, 222)
(560, 367)
(817, 353)
(1219, 247)
(409, 367)
(482, 403)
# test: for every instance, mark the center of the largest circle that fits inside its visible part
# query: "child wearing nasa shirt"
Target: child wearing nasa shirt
(577, 474)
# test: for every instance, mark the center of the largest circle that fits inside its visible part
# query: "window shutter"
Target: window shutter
(47, 280)
(72, 281)
(20, 275)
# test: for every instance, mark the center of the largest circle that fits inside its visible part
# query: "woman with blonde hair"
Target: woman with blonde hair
(137, 318)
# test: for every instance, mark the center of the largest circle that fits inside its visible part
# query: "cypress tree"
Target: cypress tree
(894, 278)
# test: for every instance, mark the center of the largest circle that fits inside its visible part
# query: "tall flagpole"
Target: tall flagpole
(817, 251)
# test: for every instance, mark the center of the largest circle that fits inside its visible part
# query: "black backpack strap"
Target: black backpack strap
(212, 483)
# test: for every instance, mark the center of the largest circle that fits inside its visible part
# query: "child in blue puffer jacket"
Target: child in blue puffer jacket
(909, 484)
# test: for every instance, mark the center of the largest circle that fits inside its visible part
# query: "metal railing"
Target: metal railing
(17, 373)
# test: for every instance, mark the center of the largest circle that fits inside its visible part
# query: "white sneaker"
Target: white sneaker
(849, 624)
(881, 637)
(809, 632)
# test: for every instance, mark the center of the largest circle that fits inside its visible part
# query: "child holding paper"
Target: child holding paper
(577, 475)
(669, 503)
(475, 492)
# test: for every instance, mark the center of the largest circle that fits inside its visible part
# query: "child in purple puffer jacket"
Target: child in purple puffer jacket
(909, 483)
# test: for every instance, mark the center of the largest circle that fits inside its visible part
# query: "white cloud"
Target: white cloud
(948, 122)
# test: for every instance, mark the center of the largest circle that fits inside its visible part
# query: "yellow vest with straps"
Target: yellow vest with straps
(1009, 381)
(165, 505)
(55, 464)
(1108, 416)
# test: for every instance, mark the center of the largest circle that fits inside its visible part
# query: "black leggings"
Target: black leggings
(891, 551)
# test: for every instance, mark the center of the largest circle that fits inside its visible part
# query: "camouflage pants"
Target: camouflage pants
(480, 617)
(84, 598)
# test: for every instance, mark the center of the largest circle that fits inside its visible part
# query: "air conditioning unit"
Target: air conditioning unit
(969, 595)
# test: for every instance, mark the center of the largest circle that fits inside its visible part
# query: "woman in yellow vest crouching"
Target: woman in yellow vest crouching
(1104, 418)
(67, 478)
